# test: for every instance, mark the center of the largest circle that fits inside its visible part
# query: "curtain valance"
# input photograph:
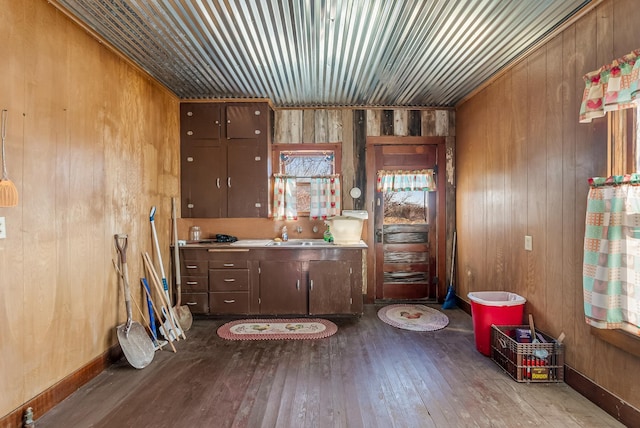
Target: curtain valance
(399, 181)
(611, 268)
(612, 87)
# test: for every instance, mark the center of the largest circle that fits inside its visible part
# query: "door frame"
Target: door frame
(441, 237)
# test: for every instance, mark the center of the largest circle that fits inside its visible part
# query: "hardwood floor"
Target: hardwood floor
(369, 374)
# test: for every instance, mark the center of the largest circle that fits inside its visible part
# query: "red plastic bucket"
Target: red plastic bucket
(493, 307)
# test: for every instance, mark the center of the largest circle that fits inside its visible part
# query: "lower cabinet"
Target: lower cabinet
(283, 288)
(330, 287)
(244, 281)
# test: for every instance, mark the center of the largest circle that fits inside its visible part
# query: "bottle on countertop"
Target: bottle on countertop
(285, 235)
(328, 237)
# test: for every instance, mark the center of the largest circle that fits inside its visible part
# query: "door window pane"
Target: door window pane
(405, 207)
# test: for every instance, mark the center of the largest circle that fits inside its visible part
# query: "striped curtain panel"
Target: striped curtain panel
(285, 198)
(325, 197)
(611, 269)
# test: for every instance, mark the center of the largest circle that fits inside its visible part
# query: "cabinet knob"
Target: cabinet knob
(311, 284)
(257, 112)
(189, 133)
(257, 132)
(228, 120)
(189, 205)
(189, 113)
(190, 159)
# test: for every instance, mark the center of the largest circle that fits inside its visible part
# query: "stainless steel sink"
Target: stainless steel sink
(299, 243)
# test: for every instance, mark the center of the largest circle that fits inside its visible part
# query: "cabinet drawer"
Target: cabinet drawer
(229, 280)
(198, 303)
(229, 263)
(192, 284)
(194, 267)
(229, 303)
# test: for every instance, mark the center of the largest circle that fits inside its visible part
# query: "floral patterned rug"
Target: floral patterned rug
(271, 329)
(413, 317)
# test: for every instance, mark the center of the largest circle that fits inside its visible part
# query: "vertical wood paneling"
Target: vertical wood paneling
(401, 122)
(428, 122)
(373, 122)
(517, 176)
(549, 157)
(348, 157)
(554, 258)
(442, 123)
(334, 126)
(287, 126)
(321, 133)
(94, 146)
(537, 185)
(308, 126)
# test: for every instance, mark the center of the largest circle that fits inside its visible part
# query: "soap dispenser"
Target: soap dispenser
(285, 235)
(327, 235)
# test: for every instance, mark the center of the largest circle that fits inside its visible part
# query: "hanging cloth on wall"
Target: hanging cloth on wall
(611, 87)
(284, 198)
(611, 268)
(406, 181)
(325, 197)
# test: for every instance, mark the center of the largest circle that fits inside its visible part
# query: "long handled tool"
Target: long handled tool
(136, 345)
(450, 300)
(8, 191)
(147, 291)
(168, 329)
(165, 285)
(182, 312)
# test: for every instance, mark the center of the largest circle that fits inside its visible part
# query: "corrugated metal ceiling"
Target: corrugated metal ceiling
(310, 53)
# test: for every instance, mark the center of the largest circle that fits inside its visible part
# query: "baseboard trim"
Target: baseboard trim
(49, 398)
(622, 411)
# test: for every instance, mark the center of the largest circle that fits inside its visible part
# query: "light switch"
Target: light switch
(3, 228)
(528, 242)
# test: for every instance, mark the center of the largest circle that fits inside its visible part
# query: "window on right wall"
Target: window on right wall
(623, 154)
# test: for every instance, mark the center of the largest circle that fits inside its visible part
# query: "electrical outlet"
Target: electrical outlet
(528, 243)
(3, 228)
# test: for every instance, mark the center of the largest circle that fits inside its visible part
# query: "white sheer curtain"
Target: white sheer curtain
(285, 198)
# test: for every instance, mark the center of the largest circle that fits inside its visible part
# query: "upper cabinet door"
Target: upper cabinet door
(200, 121)
(247, 120)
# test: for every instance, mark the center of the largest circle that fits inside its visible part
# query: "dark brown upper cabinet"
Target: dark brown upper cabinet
(225, 166)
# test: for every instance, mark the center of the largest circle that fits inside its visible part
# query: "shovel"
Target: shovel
(136, 345)
(183, 313)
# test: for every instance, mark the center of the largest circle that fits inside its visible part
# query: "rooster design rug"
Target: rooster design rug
(413, 317)
(261, 329)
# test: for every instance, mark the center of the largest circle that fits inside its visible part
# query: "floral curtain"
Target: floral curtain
(397, 181)
(284, 198)
(325, 197)
(612, 87)
(611, 269)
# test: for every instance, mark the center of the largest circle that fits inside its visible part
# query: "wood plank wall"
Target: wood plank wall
(523, 161)
(91, 145)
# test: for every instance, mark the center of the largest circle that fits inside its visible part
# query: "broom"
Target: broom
(8, 191)
(450, 300)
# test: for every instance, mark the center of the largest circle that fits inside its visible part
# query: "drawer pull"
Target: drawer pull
(192, 282)
(298, 285)
(229, 280)
(191, 267)
(229, 301)
(228, 265)
(311, 284)
(191, 303)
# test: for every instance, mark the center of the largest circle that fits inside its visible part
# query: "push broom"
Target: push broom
(450, 300)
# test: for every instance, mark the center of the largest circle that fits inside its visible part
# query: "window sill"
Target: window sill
(620, 339)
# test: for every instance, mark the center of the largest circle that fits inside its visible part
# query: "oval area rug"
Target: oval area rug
(277, 328)
(413, 317)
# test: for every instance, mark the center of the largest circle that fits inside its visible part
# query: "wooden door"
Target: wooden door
(248, 178)
(329, 287)
(283, 290)
(405, 228)
(203, 184)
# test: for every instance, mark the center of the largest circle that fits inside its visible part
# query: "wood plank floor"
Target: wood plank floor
(369, 374)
